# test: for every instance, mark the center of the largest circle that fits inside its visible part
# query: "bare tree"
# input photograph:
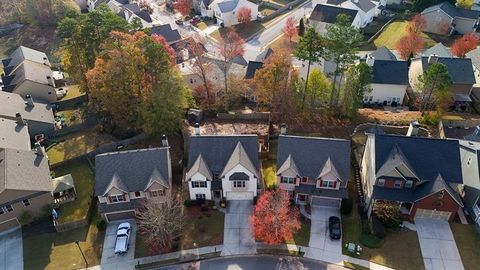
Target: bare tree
(201, 66)
(162, 221)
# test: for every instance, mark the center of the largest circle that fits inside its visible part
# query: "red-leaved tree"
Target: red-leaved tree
(273, 219)
(463, 45)
(410, 45)
(290, 28)
(184, 6)
(230, 46)
(417, 24)
(244, 15)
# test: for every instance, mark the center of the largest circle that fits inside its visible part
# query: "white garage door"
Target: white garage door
(317, 201)
(246, 195)
(427, 213)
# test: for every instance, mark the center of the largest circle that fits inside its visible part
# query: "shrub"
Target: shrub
(101, 224)
(370, 240)
(431, 119)
(346, 206)
(376, 227)
(187, 203)
(25, 217)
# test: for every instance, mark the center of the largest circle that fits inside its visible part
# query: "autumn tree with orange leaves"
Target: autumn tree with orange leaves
(184, 7)
(290, 29)
(410, 45)
(274, 220)
(131, 77)
(417, 24)
(244, 15)
(230, 46)
(463, 45)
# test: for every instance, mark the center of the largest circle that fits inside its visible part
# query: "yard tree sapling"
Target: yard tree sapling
(417, 24)
(301, 28)
(274, 220)
(290, 29)
(318, 89)
(184, 7)
(161, 222)
(434, 86)
(203, 93)
(463, 45)
(357, 84)
(410, 44)
(230, 46)
(310, 48)
(244, 15)
(466, 4)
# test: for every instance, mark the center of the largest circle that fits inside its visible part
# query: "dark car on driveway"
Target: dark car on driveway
(179, 22)
(335, 227)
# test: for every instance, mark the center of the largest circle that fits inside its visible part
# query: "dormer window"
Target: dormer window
(441, 194)
(398, 184)
(116, 198)
(381, 182)
(287, 180)
(329, 184)
(409, 184)
(304, 179)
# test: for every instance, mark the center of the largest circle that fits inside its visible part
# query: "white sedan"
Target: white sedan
(123, 237)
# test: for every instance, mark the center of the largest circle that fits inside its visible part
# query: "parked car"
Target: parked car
(61, 92)
(195, 20)
(335, 227)
(179, 22)
(123, 237)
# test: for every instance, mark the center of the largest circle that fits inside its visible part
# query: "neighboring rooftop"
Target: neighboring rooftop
(135, 9)
(439, 49)
(14, 135)
(252, 68)
(21, 54)
(264, 55)
(383, 53)
(11, 103)
(27, 71)
(328, 13)
(453, 11)
(390, 72)
(167, 32)
(132, 170)
(460, 69)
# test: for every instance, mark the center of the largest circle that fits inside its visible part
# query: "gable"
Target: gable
(114, 191)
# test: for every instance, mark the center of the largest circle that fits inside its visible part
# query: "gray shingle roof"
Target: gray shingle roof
(133, 168)
(167, 32)
(475, 57)
(21, 54)
(390, 72)
(264, 55)
(310, 155)
(383, 53)
(14, 135)
(252, 68)
(11, 103)
(328, 14)
(227, 6)
(216, 150)
(24, 170)
(460, 69)
(439, 49)
(453, 11)
(27, 71)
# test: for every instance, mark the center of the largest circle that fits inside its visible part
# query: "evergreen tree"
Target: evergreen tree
(301, 28)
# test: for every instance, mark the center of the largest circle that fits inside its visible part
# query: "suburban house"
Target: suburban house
(27, 72)
(26, 185)
(475, 57)
(323, 15)
(224, 11)
(205, 9)
(92, 4)
(389, 82)
(131, 11)
(223, 167)
(422, 185)
(125, 180)
(439, 50)
(459, 127)
(446, 19)
(470, 157)
(461, 73)
(382, 53)
(167, 32)
(366, 9)
(183, 49)
(313, 170)
(36, 115)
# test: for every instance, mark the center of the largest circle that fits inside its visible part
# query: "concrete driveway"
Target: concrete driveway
(237, 235)
(321, 247)
(438, 246)
(111, 261)
(11, 250)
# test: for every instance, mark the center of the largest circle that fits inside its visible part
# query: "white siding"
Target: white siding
(227, 184)
(387, 92)
(193, 191)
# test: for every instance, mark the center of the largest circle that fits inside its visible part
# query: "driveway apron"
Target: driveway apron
(112, 261)
(11, 250)
(237, 236)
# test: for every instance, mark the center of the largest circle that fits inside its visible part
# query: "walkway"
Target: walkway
(438, 246)
(11, 249)
(237, 236)
(304, 212)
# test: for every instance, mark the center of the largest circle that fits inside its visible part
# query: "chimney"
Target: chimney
(413, 128)
(40, 149)
(197, 129)
(432, 59)
(370, 61)
(283, 129)
(164, 140)
(19, 119)
(45, 61)
(29, 101)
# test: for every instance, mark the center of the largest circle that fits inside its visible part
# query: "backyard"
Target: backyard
(77, 144)
(83, 178)
(394, 32)
(244, 31)
(468, 243)
(71, 117)
(73, 91)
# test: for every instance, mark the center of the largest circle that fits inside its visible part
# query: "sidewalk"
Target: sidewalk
(187, 254)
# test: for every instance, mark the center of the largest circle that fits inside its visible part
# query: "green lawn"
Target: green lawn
(394, 32)
(354, 266)
(75, 145)
(58, 250)
(73, 92)
(265, 11)
(201, 25)
(302, 236)
(268, 171)
(72, 117)
(83, 177)
(244, 31)
(468, 243)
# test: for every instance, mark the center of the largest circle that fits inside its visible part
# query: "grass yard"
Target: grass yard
(59, 251)
(244, 31)
(302, 237)
(83, 177)
(73, 92)
(268, 172)
(468, 243)
(282, 42)
(76, 144)
(353, 266)
(265, 11)
(279, 2)
(202, 26)
(394, 32)
(72, 117)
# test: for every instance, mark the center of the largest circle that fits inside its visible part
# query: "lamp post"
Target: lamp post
(85, 259)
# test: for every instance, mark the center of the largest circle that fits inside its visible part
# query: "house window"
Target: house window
(469, 161)
(239, 184)
(2, 211)
(287, 180)
(304, 179)
(137, 193)
(302, 197)
(409, 184)
(328, 184)
(157, 193)
(200, 196)
(9, 208)
(199, 184)
(26, 202)
(381, 182)
(440, 195)
(117, 198)
(398, 184)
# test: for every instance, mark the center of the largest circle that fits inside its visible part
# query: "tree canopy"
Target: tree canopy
(434, 84)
